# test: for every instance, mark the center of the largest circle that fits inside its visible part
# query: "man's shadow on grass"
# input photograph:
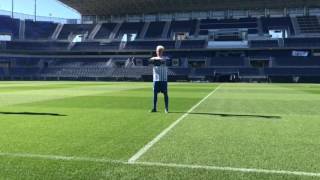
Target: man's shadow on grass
(232, 115)
(32, 114)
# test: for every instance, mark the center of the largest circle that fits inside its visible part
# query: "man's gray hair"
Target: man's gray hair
(160, 48)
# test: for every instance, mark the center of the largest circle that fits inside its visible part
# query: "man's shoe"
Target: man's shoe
(153, 111)
(166, 111)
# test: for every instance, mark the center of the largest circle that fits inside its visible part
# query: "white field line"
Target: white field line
(144, 149)
(233, 169)
(58, 157)
(157, 164)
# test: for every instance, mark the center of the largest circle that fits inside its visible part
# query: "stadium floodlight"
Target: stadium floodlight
(12, 7)
(35, 10)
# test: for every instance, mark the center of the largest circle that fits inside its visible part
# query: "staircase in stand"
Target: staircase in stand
(22, 30)
(308, 24)
(166, 30)
(56, 32)
(94, 32)
(144, 30)
(115, 31)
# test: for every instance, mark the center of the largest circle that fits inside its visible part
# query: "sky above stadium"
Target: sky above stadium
(44, 8)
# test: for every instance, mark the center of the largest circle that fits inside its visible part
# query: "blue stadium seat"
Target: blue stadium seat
(155, 30)
(39, 30)
(9, 26)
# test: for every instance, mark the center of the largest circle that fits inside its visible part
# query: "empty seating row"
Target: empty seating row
(36, 46)
(227, 61)
(249, 72)
(107, 67)
(309, 24)
(182, 26)
(179, 71)
(149, 45)
(9, 26)
(155, 30)
(292, 71)
(96, 46)
(44, 30)
(25, 71)
(130, 28)
(297, 61)
(302, 42)
(99, 46)
(264, 44)
(105, 30)
(75, 29)
(193, 44)
(39, 30)
(244, 23)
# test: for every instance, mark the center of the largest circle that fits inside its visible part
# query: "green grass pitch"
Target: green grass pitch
(87, 130)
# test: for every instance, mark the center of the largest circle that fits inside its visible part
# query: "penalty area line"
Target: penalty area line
(144, 149)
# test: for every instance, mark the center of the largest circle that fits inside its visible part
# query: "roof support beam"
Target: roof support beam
(121, 7)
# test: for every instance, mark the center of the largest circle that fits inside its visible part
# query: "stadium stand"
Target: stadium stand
(206, 48)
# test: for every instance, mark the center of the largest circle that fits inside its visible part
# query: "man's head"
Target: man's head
(159, 50)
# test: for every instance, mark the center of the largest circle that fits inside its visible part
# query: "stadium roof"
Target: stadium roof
(120, 7)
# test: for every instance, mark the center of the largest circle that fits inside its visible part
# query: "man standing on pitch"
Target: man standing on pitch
(160, 78)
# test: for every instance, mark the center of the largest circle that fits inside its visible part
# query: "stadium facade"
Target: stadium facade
(209, 40)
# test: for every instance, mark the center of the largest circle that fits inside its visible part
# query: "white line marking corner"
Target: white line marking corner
(144, 149)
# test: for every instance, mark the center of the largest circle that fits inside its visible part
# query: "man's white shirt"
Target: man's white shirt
(160, 73)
